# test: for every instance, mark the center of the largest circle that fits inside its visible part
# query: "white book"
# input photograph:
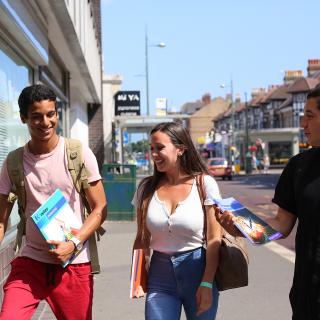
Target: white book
(56, 220)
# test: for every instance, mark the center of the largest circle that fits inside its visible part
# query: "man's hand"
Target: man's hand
(203, 299)
(63, 250)
(225, 219)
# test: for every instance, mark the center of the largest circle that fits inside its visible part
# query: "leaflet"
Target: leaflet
(251, 226)
(56, 220)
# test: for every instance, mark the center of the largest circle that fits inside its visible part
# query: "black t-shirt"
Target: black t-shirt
(298, 191)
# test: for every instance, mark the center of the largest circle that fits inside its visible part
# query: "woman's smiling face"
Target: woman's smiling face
(163, 152)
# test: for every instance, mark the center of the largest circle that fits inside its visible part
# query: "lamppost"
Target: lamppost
(247, 157)
(232, 127)
(147, 45)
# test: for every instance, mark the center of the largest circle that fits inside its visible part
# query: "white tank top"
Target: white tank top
(183, 229)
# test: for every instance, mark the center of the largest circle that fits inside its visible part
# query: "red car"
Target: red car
(219, 167)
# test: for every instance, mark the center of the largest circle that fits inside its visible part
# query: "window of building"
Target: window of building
(14, 76)
(280, 152)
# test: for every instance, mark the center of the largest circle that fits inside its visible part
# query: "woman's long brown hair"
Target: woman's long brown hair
(190, 163)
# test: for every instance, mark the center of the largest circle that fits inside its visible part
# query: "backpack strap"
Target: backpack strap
(16, 175)
(76, 165)
(79, 176)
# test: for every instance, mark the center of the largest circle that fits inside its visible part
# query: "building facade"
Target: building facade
(273, 117)
(57, 43)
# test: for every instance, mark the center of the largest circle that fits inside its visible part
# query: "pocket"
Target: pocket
(82, 272)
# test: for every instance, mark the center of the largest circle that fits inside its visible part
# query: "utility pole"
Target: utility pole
(247, 157)
(147, 70)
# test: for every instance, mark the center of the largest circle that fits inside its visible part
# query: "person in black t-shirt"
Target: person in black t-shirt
(297, 195)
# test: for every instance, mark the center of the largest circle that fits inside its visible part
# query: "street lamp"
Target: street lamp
(233, 142)
(247, 157)
(147, 45)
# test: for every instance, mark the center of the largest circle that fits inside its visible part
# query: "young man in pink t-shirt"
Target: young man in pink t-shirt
(37, 273)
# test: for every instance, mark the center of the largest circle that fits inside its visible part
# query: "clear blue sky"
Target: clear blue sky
(208, 41)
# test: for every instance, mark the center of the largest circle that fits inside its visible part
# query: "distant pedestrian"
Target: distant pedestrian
(266, 163)
(254, 163)
(171, 222)
(297, 195)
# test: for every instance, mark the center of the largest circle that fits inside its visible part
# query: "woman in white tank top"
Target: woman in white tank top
(171, 224)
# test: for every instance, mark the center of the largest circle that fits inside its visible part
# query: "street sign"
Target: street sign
(127, 103)
(125, 137)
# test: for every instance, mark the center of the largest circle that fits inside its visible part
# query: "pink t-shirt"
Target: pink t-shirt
(43, 175)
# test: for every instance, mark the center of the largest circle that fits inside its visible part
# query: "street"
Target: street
(270, 268)
(256, 193)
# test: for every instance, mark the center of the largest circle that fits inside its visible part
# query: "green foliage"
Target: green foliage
(139, 146)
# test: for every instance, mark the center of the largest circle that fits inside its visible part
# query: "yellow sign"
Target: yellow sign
(201, 140)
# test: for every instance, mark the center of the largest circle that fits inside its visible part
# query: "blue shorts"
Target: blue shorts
(173, 281)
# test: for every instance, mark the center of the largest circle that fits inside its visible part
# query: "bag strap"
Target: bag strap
(200, 187)
(76, 165)
(79, 176)
(16, 176)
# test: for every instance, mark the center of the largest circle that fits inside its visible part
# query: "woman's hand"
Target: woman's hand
(139, 292)
(203, 299)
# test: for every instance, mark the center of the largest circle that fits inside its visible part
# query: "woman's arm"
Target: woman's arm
(204, 294)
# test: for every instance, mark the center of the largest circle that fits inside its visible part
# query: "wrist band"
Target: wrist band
(206, 284)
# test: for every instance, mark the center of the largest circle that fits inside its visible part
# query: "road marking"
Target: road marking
(281, 251)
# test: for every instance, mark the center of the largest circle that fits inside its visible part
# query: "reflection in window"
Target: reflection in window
(14, 76)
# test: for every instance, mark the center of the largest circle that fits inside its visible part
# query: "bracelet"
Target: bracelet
(206, 284)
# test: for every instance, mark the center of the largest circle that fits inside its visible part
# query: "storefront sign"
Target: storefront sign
(127, 103)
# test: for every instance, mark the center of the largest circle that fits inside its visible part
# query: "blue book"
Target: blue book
(56, 220)
(251, 226)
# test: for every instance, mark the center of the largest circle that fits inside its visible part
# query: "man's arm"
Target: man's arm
(98, 203)
(5, 211)
(283, 222)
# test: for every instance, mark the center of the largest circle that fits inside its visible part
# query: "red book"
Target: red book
(138, 272)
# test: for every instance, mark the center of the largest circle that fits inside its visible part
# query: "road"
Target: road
(256, 193)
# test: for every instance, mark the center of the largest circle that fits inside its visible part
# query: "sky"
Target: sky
(208, 43)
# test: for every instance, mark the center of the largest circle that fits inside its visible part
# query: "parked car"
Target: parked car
(219, 167)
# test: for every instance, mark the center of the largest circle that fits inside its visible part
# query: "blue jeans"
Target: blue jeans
(173, 281)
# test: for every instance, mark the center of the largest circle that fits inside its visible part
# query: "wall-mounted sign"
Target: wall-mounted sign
(161, 106)
(127, 103)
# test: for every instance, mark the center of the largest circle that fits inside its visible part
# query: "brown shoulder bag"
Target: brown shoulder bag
(232, 270)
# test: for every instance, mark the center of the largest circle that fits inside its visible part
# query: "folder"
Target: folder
(138, 272)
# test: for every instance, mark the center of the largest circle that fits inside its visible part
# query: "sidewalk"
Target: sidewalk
(266, 297)
(270, 171)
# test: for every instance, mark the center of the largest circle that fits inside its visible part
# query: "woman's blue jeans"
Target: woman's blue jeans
(173, 281)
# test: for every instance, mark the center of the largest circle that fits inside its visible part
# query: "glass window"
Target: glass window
(14, 76)
(218, 162)
(280, 152)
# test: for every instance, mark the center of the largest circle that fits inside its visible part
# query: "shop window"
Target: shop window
(14, 76)
(280, 152)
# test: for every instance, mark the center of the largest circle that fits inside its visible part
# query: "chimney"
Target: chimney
(257, 92)
(237, 98)
(291, 75)
(313, 66)
(206, 99)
